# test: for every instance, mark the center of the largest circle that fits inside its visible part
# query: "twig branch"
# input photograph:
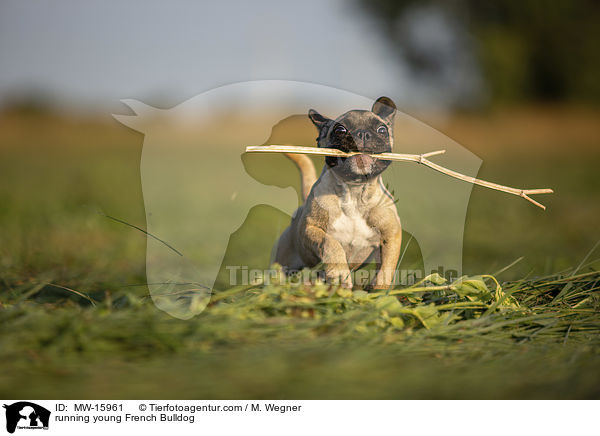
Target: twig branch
(419, 158)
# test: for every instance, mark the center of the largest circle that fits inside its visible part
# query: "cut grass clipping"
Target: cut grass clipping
(556, 305)
(472, 338)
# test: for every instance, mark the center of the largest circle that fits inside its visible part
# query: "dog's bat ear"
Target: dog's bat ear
(385, 108)
(317, 119)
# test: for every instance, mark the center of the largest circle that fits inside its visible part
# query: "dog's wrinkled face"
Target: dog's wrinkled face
(358, 130)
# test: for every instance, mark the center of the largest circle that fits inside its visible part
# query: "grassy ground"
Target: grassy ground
(535, 336)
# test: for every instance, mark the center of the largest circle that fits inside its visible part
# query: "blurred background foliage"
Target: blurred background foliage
(528, 51)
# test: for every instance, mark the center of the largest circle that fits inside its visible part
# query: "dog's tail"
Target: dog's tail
(308, 175)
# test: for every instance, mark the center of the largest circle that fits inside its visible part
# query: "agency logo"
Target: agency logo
(26, 415)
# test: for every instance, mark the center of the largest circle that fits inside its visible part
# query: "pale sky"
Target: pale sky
(166, 52)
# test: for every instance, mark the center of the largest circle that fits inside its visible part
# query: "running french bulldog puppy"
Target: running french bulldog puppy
(348, 216)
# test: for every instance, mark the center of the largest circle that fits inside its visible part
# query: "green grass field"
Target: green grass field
(76, 320)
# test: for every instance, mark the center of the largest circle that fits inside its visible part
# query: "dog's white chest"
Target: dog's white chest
(351, 229)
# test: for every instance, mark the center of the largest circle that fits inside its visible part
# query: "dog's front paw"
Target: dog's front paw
(384, 280)
(340, 277)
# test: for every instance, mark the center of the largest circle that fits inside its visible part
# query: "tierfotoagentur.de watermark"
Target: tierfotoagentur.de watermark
(241, 275)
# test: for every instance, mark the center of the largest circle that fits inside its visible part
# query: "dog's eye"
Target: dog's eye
(339, 129)
(382, 130)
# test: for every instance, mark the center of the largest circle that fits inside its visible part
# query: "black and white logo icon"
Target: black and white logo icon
(26, 415)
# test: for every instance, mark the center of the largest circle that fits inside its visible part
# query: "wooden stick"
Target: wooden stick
(419, 158)
(338, 153)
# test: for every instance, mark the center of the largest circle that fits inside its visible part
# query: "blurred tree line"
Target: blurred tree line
(526, 50)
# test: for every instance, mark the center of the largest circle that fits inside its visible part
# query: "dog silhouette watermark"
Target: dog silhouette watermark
(26, 415)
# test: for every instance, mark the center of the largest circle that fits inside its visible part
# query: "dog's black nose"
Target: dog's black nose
(363, 135)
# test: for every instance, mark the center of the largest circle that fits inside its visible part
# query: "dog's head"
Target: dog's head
(358, 130)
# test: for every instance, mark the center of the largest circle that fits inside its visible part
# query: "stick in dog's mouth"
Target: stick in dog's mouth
(418, 158)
